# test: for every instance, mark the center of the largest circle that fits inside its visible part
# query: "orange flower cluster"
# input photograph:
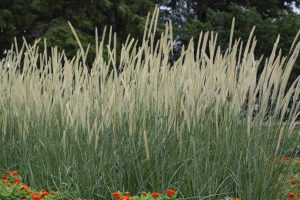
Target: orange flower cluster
(170, 194)
(12, 182)
(11, 179)
(292, 190)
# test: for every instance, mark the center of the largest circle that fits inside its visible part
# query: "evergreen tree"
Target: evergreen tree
(271, 17)
(48, 18)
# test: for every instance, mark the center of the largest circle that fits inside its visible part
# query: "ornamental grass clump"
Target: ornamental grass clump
(208, 124)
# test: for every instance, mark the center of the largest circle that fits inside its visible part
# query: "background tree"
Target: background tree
(271, 17)
(48, 19)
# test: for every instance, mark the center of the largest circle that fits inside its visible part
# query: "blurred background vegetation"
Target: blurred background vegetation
(34, 19)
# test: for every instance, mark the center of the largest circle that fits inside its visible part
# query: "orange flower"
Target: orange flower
(4, 177)
(17, 181)
(7, 172)
(26, 187)
(124, 198)
(116, 194)
(284, 158)
(293, 182)
(237, 198)
(14, 173)
(170, 192)
(8, 183)
(36, 198)
(291, 195)
(155, 194)
(44, 193)
(127, 193)
(144, 193)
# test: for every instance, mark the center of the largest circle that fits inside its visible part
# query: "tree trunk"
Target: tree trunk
(112, 19)
(201, 9)
(173, 4)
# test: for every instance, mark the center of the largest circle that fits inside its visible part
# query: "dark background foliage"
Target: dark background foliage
(34, 19)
